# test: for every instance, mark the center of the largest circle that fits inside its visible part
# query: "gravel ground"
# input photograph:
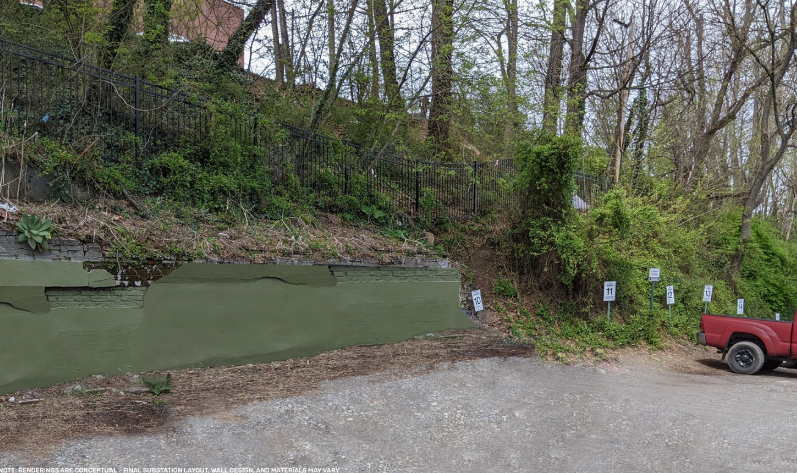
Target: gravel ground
(641, 413)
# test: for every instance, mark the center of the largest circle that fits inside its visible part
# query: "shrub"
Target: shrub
(503, 287)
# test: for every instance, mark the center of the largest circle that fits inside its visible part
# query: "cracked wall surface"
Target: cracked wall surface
(63, 320)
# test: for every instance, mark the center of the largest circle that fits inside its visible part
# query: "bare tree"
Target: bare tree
(580, 58)
(386, 31)
(779, 111)
(553, 75)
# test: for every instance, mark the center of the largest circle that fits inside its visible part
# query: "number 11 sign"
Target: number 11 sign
(609, 294)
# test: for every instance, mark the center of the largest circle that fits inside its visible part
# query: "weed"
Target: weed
(563, 358)
(372, 212)
(35, 232)
(158, 384)
(397, 234)
(504, 287)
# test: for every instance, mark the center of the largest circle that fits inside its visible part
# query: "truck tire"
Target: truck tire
(770, 365)
(745, 358)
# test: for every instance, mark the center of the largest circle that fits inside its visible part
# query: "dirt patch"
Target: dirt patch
(678, 357)
(36, 428)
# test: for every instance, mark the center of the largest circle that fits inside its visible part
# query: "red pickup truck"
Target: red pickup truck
(750, 344)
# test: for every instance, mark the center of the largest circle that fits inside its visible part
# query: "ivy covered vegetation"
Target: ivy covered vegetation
(561, 257)
(707, 197)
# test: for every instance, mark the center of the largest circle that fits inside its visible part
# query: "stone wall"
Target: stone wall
(60, 249)
(361, 274)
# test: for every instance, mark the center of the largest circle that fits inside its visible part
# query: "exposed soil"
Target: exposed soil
(60, 416)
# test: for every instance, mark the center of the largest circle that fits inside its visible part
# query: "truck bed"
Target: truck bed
(775, 335)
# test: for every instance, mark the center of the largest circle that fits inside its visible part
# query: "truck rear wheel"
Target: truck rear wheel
(745, 358)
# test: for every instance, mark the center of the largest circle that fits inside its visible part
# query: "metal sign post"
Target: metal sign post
(609, 293)
(653, 276)
(670, 301)
(707, 292)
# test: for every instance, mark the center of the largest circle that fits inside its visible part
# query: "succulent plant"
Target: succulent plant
(34, 231)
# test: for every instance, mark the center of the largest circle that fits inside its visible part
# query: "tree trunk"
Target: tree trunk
(119, 22)
(285, 47)
(553, 75)
(577, 81)
(372, 50)
(442, 73)
(386, 31)
(228, 58)
(619, 146)
(791, 217)
(512, 119)
(333, 58)
(279, 65)
(157, 14)
(330, 94)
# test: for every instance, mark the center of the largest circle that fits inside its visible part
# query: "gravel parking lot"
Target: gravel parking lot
(643, 412)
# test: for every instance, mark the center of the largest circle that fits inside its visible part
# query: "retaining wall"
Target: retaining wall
(70, 313)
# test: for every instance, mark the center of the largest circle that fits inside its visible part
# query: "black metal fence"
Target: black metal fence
(87, 106)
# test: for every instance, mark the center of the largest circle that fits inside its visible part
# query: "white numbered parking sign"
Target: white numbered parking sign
(654, 274)
(670, 295)
(477, 300)
(740, 307)
(609, 291)
(707, 291)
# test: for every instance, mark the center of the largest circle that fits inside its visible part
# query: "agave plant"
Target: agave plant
(35, 231)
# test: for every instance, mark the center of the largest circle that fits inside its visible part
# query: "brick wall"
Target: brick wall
(99, 298)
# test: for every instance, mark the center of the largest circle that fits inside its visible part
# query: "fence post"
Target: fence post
(346, 177)
(417, 188)
(475, 184)
(138, 116)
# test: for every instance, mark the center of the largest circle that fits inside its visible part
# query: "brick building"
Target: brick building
(211, 21)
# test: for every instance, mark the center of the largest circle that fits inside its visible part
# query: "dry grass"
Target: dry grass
(116, 224)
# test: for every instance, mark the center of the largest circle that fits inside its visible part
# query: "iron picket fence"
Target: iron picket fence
(87, 106)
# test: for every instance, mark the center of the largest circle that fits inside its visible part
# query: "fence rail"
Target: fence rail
(82, 104)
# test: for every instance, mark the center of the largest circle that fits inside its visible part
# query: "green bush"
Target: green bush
(503, 287)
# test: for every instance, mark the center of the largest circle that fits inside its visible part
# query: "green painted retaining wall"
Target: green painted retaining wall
(59, 321)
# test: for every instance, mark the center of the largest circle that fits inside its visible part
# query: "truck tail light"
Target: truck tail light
(701, 326)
